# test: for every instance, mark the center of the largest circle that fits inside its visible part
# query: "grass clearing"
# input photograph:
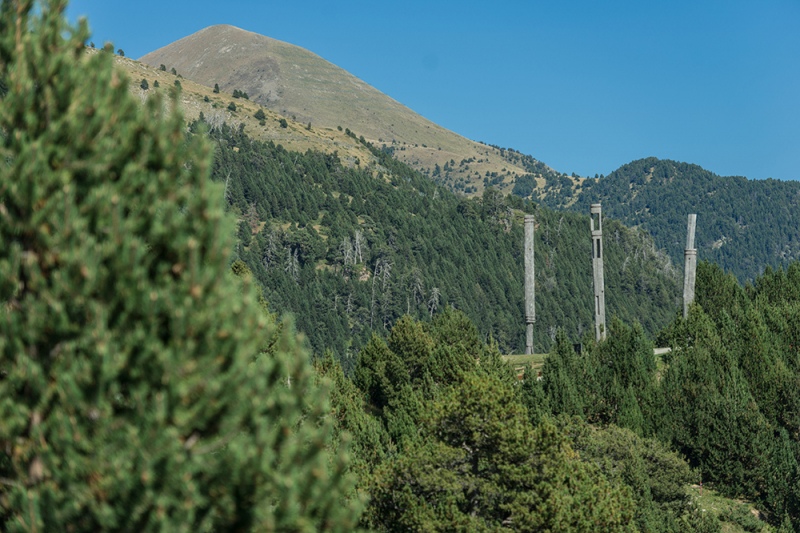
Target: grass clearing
(522, 362)
(735, 516)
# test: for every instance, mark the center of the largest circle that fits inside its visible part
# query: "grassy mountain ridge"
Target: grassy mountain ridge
(299, 84)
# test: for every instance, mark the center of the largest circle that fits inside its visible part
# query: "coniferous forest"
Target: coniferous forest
(743, 225)
(350, 250)
(200, 332)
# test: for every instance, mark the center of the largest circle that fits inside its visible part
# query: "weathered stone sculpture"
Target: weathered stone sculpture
(596, 223)
(530, 300)
(690, 266)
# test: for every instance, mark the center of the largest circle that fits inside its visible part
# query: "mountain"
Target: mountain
(303, 195)
(305, 88)
(196, 99)
(743, 225)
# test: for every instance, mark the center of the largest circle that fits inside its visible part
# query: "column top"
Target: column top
(690, 231)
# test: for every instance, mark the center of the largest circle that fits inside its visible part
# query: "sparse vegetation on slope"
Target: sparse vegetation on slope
(303, 87)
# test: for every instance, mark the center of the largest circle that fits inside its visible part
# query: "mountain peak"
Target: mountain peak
(306, 88)
(229, 56)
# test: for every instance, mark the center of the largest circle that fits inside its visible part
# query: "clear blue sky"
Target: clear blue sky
(584, 86)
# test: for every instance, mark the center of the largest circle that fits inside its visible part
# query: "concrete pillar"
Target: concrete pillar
(596, 224)
(530, 295)
(690, 265)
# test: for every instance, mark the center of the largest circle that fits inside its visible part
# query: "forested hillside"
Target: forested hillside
(446, 443)
(351, 250)
(743, 225)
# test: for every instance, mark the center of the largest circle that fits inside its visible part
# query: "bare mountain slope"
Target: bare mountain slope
(308, 89)
(196, 98)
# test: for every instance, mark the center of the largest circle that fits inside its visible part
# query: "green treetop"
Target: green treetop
(483, 467)
(133, 394)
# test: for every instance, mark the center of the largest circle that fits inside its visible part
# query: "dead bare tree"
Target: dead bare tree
(346, 249)
(359, 246)
(293, 264)
(378, 267)
(433, 301)
(215, 118)
(416, 288)
(270, 252)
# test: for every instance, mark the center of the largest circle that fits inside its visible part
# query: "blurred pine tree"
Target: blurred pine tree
(132, 392)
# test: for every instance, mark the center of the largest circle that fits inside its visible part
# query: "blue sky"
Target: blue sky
(584, 86)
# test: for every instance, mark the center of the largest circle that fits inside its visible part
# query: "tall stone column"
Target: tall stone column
(530, 295)
(690, 266)
(596, 224)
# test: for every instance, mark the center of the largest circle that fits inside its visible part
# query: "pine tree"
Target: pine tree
(132, 392)
(561, 377)
(482, 467)
(348, 409)
(708, 411)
